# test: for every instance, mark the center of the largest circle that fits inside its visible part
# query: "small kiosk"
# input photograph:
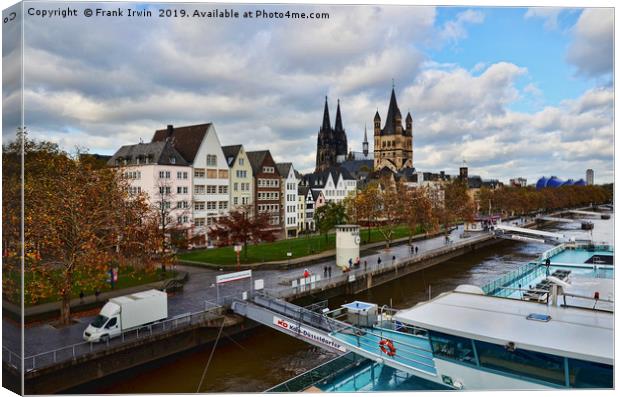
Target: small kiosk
(347, 246)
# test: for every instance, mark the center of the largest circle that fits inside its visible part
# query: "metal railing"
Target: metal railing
(72, 352)
(11, 358)
(524, 272)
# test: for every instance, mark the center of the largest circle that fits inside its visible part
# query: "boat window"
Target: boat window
(452, 347)
(590, 375)
(536, 365)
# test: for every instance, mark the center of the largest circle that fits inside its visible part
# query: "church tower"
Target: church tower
(331, 145)
(393, 143)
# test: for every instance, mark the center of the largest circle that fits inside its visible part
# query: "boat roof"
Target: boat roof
(572, 332)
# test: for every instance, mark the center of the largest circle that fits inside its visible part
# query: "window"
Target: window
(111, 323)
(211, 189)
(245, 200)
(222, 189)
(211, 160)
(235, 186)
(199, 173)
(199, 222)
(590, 375)
(235, 200)
(212, 174)
(173, 160)
(452, 347)
(165, 190)
(181, 175)
(223, 174)
(241, 161)
(268, 170)
(531, 364)
(199, 189)
(199, 205)
(211, 205)
(242, 174)
(223, 205)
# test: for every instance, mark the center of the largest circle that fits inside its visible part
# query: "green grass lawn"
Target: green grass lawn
(276, 251)
(125, 280)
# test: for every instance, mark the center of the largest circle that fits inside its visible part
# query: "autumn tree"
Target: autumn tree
(364, 208)
(328, 216)
(78, 222)
(457, 205)
(242, 226)
(418, 210)
(391, 201)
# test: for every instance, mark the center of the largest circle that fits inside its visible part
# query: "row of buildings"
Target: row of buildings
(188, 175)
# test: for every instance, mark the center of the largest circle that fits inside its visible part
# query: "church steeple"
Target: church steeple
(338, 126)
(327, 125)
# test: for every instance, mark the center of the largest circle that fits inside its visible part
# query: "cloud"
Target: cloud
(591, 50)
(548, 14)
(455, 30)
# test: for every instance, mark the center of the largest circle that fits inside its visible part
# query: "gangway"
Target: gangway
(554, 219)
(411, 352)
(523, 234)
(588, 213)
(293, 320)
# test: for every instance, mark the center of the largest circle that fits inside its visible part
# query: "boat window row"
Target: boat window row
(522, 363)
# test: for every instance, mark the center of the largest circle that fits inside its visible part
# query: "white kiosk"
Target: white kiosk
(347, 245)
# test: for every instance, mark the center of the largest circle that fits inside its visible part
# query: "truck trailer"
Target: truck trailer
(126, 312)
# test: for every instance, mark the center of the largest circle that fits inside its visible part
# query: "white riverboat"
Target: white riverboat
(468, 340)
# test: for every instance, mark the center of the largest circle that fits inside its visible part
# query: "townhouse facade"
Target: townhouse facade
(200, 147)
(336, 183)
(267, 188)
(289, 184)
(162, 174)
(241, 185)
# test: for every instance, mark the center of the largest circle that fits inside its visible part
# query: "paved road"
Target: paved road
(201, 287)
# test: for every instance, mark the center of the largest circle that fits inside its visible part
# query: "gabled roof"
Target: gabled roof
(284, 169)
(257, 158)
(161, 153)
(315, 194)
(302, 190)
(319, 179)
(186, 140)
(231, 152)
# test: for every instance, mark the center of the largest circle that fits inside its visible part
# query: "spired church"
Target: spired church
(393, 144)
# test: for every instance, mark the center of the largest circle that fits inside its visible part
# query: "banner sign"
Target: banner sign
(308, 333)
(225, 278)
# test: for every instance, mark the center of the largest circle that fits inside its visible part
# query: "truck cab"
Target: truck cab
(106, 325)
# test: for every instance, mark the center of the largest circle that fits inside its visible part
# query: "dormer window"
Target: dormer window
(173, 160)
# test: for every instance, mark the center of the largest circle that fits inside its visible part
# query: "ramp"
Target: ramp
(588, 213)
(293, 320)
(553, 219)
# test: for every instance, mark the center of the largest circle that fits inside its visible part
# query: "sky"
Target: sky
(513, 92)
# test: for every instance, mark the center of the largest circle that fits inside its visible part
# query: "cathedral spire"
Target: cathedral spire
(327, 125)
(338, 126)
(365, 143)
(392, 115)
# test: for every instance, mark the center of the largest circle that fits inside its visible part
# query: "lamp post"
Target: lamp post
(238, 251)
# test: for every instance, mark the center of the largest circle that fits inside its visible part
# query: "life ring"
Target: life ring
(387, 347)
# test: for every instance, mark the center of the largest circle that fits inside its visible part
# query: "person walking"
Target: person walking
(325, 271)
(365, 265)
(416, 249)
(306, 273)
(329, 271)
(393, 259)
(379, 261)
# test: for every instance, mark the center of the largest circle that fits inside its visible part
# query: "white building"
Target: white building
(336, 183)
(162, 174)
(241, 186)
(589, 176)
(289, 183)
(200, 147)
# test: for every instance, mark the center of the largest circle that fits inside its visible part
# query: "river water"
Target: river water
(266, 357)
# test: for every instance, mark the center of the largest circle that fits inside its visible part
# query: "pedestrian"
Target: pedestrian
(357, 262)
(329, 271)
(379, 261)
(325, 271)
(393, 259)
(350, 262)
(416, 249)
(411, 249)
(306, 273)
(365, 265)
(81, 296)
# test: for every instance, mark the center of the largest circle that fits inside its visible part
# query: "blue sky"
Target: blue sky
(513, 91)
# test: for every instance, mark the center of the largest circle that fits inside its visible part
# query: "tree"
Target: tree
(457, 205)
(391, 200)
(419, 211)
(78, 222)
(328, 216)
(365, 208)
(242, 226)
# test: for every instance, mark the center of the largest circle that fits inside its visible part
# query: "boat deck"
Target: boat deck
(412, 351)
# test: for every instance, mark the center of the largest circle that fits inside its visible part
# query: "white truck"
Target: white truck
(125, 312)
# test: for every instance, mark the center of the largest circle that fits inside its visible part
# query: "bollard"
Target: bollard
(54, 355)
